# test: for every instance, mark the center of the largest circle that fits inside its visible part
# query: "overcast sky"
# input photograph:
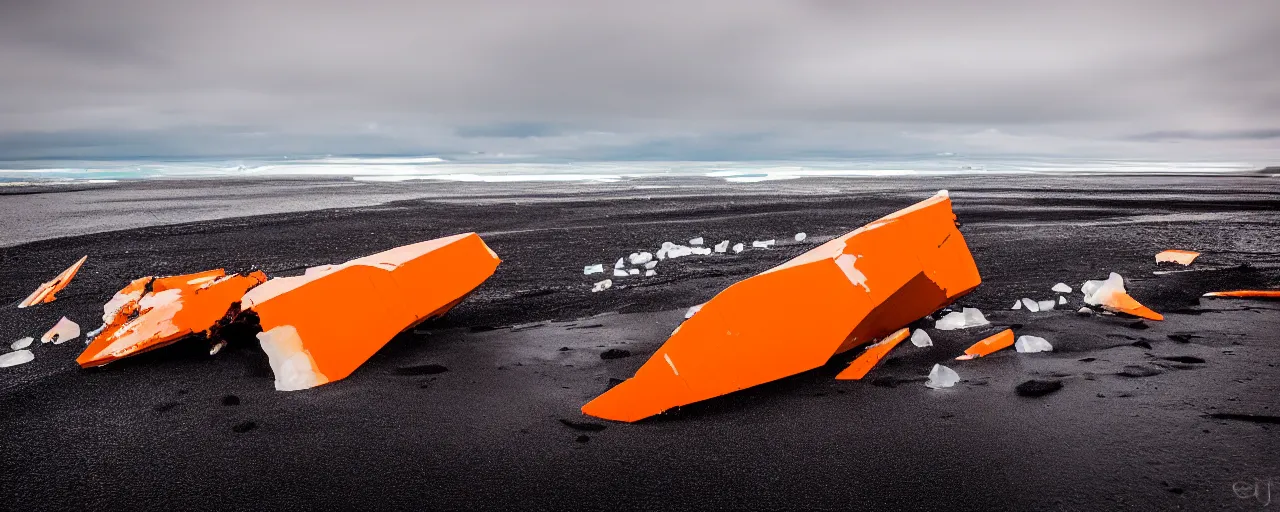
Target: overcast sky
(733, 79)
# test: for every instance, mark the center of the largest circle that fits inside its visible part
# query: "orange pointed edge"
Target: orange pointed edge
(1256, 294)
(872, 356)
(150, 313)
(849, 291)
(1178, 256)
(320, 326)
(1125, 303)
(988, 345)
(45, 293)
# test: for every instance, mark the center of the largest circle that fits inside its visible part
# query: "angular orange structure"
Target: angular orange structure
(794, 317)
(45, 293)
(991, 344)
(1112, 296)
(1247, 294)
(1178, 256)
(320, 326)
(872, 356)
(152, 312)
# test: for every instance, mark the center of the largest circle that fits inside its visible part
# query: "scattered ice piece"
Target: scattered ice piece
(62, 331)
(1017, 304)
(634, 271)
(1062, 300)
(1045, 305)
(970, 317)
(1061, 288)
(650, 273)
(651, 264)
(22, 343)
(1031, 344)
(693, 310)
(670, 250)
(801, 236)
(695, 241)
(722, 246)
(1084, 311)
(602, 285)
(701, 251)
(921, 338)
(1031, 305)
(217, 347)
(622, 263)
(1111, 295)
(1177, 256)
(16, 358)
(640, 258)
(762, 244)
(942, 377)
(593, 269)
(737, 247)
(617, 272)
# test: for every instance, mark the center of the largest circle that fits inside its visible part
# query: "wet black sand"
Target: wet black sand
(160, 431)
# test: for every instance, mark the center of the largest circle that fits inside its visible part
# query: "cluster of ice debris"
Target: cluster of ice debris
(644, 263)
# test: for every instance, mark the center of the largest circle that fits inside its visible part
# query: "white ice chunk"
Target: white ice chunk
(969, 317)
(921, 338)
(593, 269)
(1083, 311)
(722, 246)
(1045, 305)
(22, 343)
(762, 244)
(1061, 288)
(640, 258)
(737, 248)
(16, 358)
(973, 317)
(213, 351)
(701, 251)
(622, 263)
(801, 236)
(650, 273)
(64, 330)
(1031, 305)
(695, 241)
(602, 285)
(1017, 304)
(617, 272)
(1062, 300)
(1031, 344)
(651, 264)
(942, 377)
(1100, 293)
(634, 271)
(693, 310)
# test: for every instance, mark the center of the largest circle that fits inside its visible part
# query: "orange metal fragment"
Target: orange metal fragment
(997, 341)
(794, 317)
(152, 312)
(874, 353)
(1125, 303)
(1177, 256)
(320, 326)
(1247, 294)
(45, 293)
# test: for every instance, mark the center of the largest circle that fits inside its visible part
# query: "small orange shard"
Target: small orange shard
(872, 356)
(991, 344)
(45, 293)
(1247, 294)
(1177, 256)
(320, 326)
(153, 312)
(1111, 295)
(794, 317)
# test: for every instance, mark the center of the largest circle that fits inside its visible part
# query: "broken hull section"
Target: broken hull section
(851, 290)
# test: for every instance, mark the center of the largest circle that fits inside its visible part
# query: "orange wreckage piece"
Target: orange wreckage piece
(45, 293)
(1178, 256)
(874, 353)
(1247, 294)
(152, 312)
(794, 317)
(991, 344)
(320, 326)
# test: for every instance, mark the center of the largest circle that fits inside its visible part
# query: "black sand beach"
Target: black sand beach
(1140, 422)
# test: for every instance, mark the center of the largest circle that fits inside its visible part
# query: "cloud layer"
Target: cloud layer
(653, 79)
